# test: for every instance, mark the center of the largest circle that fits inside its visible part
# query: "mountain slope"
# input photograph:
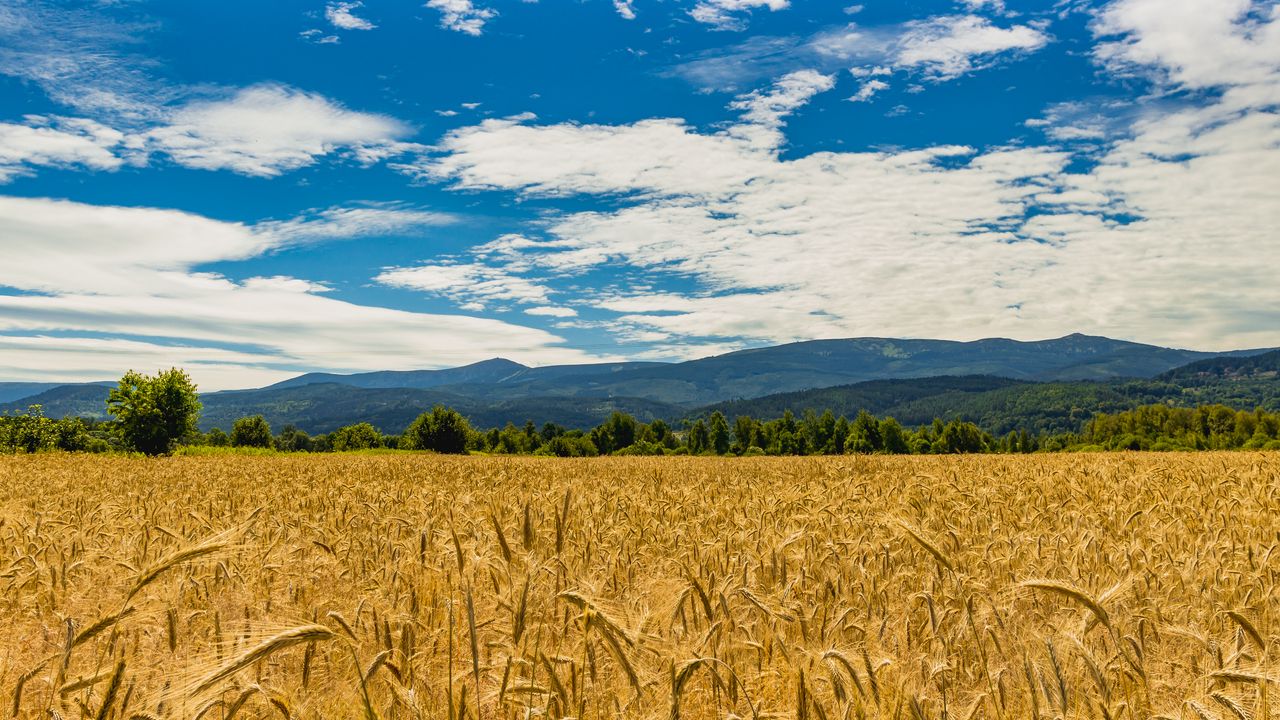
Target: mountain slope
(1265, 366)
(12, 392)
(792, 367)
(825, 363)
(999, 405)
(497, 371)
(87, 401)
(326, 406)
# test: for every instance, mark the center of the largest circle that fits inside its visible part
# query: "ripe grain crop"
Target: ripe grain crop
(414, 586)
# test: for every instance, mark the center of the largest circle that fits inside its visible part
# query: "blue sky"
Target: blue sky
(254, 190)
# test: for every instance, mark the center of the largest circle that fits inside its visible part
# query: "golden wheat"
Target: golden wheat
(413, 586)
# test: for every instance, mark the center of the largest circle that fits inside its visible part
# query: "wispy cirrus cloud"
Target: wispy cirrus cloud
(81, 271)
(730, 14)
(935, 49)
(82, 57)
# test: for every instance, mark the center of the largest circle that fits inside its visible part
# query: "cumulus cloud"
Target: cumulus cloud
(462, 15)
(937, 241)
(266, 130)
(1194, 44)
(948, 47)
(868, 89)
(625, 8)
(341, 15)
(57, 142)
(136, 272)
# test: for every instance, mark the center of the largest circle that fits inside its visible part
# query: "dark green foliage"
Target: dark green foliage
(864, 434)
(33, 432)
(290, 439)
(617, 432)
(442, 430)
(698, 440)
(154, 413)
(718, 434)
(361, 436)
(1158, 427)
(251, 432)
(573, 444)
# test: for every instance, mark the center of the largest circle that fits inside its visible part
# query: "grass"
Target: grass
(401, 586)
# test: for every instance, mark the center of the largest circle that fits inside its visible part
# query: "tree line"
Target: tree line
(158, 414)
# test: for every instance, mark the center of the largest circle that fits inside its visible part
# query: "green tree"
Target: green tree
(617, 432)
(154, 413)
(217, 438)
(290, 439)
(718, 433)
(361, 436)
(864, 434)
(442, 430)
(699, 439)
(251, 432)
(893, 437)
(746, 434)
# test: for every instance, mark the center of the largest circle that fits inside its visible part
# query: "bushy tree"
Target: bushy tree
(864, 434)
(361, 436)
(442, 430)
(154, 413)
(617, 432)
(251, 432)
(291, 439)
(569, 445)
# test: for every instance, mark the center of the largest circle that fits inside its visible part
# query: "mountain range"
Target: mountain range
(914, 380)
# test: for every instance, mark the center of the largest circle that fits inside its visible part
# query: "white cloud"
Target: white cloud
(868, 89)
(462, 15)
(44, 358)
(625, 8)
(81, 55)
(472, 283)
(353, 222)
(341, 15)
(927, 242)
(764, 114)
(947, 47)
(978, 5)
(1195, 44)
(938, 48)
(57, 142)
(726, 14)
(136, 273)
(552, 311)
(266, 130)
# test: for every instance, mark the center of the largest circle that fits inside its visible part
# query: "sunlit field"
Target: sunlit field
(416, 586)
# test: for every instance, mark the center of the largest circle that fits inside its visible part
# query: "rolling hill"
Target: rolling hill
(1051, 385)
(791, 367)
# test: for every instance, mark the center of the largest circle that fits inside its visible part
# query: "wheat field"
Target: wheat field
(414, 586)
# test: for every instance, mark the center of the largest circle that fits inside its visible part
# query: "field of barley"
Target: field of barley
(414, 586)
